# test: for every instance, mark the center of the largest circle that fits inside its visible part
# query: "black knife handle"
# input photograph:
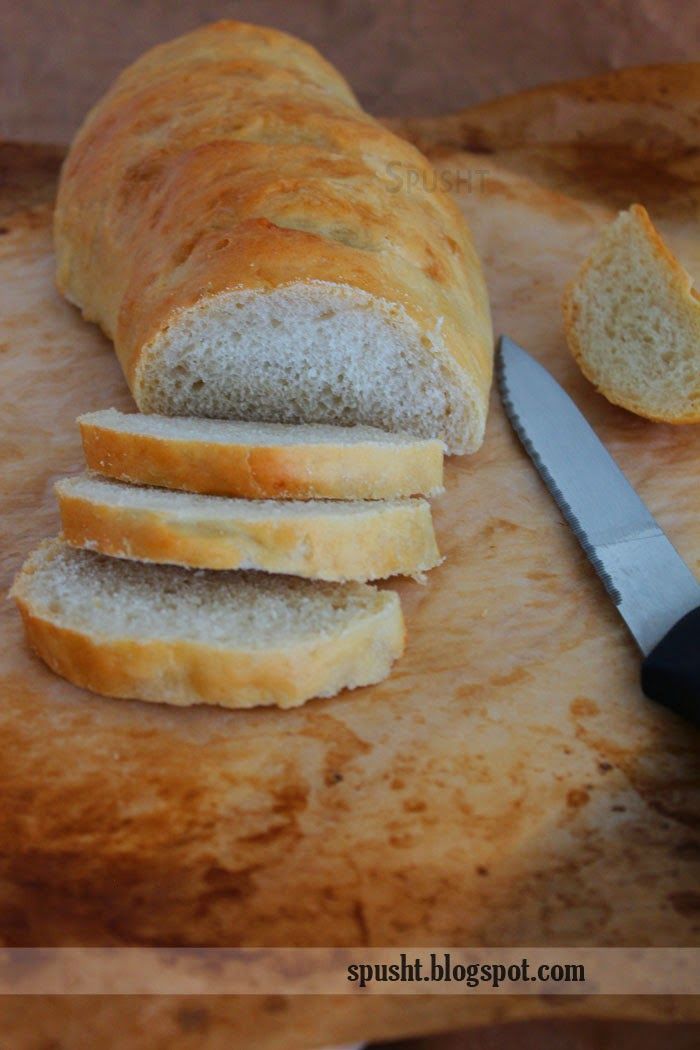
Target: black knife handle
(671, 671)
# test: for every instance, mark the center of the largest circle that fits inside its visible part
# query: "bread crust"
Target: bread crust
(236, 158)
(187, 673)
(382, 541)
(364, 470)
(679, 282)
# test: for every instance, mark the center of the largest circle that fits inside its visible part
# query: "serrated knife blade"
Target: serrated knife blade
(644, 574)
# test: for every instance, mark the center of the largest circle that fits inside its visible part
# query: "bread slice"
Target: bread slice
(185, 637)
(632, 321)
(320, 540)
(260, 460)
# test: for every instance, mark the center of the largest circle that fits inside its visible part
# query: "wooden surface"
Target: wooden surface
(507, 785)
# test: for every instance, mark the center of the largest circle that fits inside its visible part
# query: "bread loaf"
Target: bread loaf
(632, 320)
(319, 540)
(260, 460)
(157, 632)
(259, 248)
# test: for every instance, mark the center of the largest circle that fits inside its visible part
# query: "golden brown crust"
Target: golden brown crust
(681, 284)
(300, 471)
(185, 673)
(384, 541)
(268, 174)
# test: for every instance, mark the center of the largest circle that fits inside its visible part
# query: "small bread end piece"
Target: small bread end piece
(632, 321)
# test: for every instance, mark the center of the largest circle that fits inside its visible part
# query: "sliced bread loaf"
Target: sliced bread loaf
(260, 460)
(260, 248)
(186, 637)
(632, 321)
(320, 540)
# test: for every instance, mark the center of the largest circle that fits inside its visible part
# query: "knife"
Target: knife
(654, 590)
